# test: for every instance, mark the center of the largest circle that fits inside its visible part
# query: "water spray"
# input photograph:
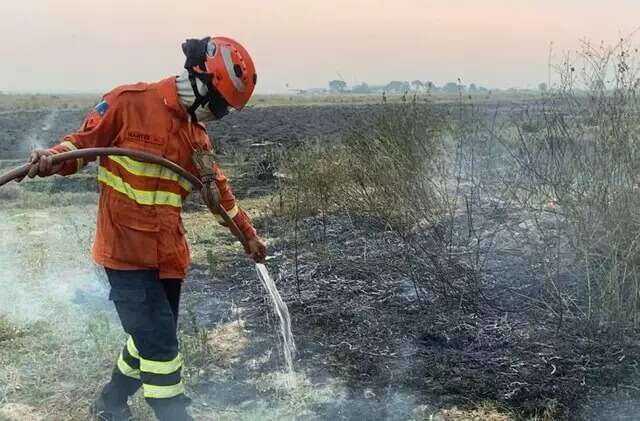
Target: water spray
(279, 306)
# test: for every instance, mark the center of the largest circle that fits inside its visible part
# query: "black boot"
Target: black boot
(111, 405)
(174, 409)
(174, 414)
(100, 411)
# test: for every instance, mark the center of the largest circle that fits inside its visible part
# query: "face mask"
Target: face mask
(188, 97)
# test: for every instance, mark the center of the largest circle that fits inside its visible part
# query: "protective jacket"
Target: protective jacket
(139, 224)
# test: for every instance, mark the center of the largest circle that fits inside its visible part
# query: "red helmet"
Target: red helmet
(231, 70)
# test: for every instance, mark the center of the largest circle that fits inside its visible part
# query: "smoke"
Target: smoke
(42, 265)
(47, 274)
(38, 136)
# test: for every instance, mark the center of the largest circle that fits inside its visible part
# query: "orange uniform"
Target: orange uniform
(139, 224)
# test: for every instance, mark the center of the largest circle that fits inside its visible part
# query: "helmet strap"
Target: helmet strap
(201, 100)
(212, 100)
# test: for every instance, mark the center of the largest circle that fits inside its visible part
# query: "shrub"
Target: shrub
(312, 181)
(396, 166)
(393, 172)
(585, 161)
(390, 168)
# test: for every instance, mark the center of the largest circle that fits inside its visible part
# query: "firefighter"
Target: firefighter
(140, 239)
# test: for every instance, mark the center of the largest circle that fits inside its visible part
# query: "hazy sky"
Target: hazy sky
(93, 45)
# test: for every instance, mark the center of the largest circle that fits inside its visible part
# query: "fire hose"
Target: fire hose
(92, 153)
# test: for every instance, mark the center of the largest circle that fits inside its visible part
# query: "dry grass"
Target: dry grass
(14, 102)
(482, 413)
(491, 412)
(364, 99)
(46, 379)
(8, 331)
(20, 412)
(227, 342)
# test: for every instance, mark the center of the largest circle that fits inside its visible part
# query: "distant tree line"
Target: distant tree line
(401, 87)
(418, 86)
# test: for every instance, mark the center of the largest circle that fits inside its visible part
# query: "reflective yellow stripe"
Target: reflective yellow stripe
(143, 169)
(72, 147)
(131, 347)
(126, 369)
(163, 392)
(231, 212)
(69, 145)
(142, 197)
(161, 367)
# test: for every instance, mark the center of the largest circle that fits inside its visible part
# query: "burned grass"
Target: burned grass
(352, 304)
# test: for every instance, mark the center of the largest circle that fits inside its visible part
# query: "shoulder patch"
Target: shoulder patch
(102, 107)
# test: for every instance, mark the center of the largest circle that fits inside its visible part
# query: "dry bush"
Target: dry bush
(583, 161)
(393, 173)
(391, 168)
(397, 168)
(403, 171)
(312, 180)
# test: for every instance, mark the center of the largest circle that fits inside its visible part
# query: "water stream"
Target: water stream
(280, 308)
